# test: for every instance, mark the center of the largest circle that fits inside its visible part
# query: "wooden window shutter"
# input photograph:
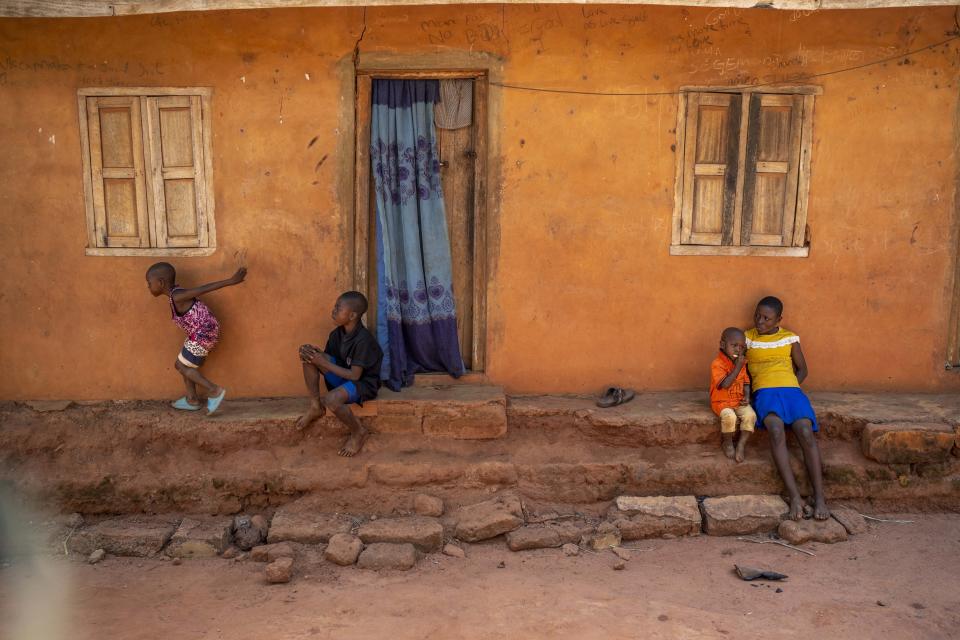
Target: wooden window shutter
(117, 184)
(771, 170)
(710, 168)
(176, 173)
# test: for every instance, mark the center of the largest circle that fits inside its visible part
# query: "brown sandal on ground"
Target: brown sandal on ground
(614, 396)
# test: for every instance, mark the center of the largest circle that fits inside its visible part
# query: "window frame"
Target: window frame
(800, 246)
(94, 243)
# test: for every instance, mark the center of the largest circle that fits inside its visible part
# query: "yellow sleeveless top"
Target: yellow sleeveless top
(769, 361)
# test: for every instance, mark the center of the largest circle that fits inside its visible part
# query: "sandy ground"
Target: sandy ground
(682, 588)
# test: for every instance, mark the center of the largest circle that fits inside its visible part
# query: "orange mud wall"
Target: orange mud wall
(582, 291)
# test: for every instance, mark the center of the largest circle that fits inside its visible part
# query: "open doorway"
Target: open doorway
(462, 156)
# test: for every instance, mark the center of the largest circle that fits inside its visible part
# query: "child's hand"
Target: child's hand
(238, 277)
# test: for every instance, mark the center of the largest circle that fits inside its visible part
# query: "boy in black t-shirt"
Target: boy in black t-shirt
(350, 366)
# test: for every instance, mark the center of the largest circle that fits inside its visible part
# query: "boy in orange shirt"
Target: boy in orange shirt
(730, 392)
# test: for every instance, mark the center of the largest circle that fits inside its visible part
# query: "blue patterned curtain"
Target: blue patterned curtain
(416, 318)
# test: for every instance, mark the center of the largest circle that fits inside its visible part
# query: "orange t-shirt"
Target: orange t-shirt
(732, 396)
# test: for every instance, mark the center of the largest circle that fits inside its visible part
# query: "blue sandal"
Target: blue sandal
(214, 403)
(183, 405)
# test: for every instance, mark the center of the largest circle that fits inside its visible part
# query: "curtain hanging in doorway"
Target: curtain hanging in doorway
(416, 318)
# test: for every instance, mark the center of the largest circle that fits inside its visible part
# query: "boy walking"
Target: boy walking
(730, 392)
(350, 367)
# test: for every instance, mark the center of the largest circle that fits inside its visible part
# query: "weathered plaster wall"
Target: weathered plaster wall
(582, 290)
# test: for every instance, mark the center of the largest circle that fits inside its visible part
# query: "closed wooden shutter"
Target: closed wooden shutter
(117, 172)
(710, 168)
(177, 177)
(771, 170)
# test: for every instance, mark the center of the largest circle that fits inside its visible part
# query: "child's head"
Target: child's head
(733, 342)
(160, 278)
(767, 316)
(350, 306)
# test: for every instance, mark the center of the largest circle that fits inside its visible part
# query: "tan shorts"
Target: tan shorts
(728, 418)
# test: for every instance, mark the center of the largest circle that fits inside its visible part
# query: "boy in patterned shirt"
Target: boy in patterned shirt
(201, 327)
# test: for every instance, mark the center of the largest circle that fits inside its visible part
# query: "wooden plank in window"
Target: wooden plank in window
(772, 169)
(177, 174)
(803, 179)
(117, 184)
(711, 141)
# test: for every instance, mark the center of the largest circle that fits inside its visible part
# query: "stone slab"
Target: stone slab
(200, 537)
(383, 555)
(533, 537)
(908, 442)
(656, 516)
(489, 519)
(306, 527)
(740, 515)
(466, 422)
(271, 552)
(343, 549)
(426, 534)
(141, 536)
(852, 521)
(803, 531)
(279, 571)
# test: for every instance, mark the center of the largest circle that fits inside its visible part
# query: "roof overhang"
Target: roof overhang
(101, 8)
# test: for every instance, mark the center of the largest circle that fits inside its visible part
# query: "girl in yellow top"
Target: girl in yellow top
(777, 368)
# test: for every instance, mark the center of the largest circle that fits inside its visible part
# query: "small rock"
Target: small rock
(622, 553)
(571, 549)
(779, 590)
(453, 551)
(373, 517)
(280, 570)
(882, 603)
(241, 557)
(606, 536)
(271, 552)
(384, 555)
(231, 553)
(96, 556)
(620, 565)
(249, 531)
(532, 537)
(489, 519)
(425, 505)
(502, 565)
(852, 521)
(177, 562)
(799, 532)
(343, 549)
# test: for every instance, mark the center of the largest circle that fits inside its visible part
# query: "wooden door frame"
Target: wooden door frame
(361, 188)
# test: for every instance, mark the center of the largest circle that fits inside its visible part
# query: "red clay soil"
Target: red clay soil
(682, 588)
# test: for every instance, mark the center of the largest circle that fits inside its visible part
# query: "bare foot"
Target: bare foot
(796, 508)
(820, 510)
(741, 450)
(316, 411)
(353, 444)
(728, 446)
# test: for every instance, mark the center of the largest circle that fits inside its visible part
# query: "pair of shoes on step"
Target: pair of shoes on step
(212, 403)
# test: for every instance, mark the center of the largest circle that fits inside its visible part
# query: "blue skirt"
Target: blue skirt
(788, 403)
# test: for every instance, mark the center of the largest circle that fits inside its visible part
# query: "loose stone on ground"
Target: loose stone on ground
(96, 556)
(489, 519)
(306, 528)
(739, 515)
(271, 552)
(424, 533)
(126, 536)
(454, 551)
(279, 571)
(800, 532)
(533, 537)
(343, 549)
(249, 531)
(852, 521)
(202, 537)
(606, 536)
(383, 555)
(570, 549)
(656, 516)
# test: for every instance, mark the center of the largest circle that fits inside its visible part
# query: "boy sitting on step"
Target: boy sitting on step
(350, 367)
(730, 392)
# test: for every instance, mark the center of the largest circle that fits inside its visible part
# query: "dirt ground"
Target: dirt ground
(682, 588)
